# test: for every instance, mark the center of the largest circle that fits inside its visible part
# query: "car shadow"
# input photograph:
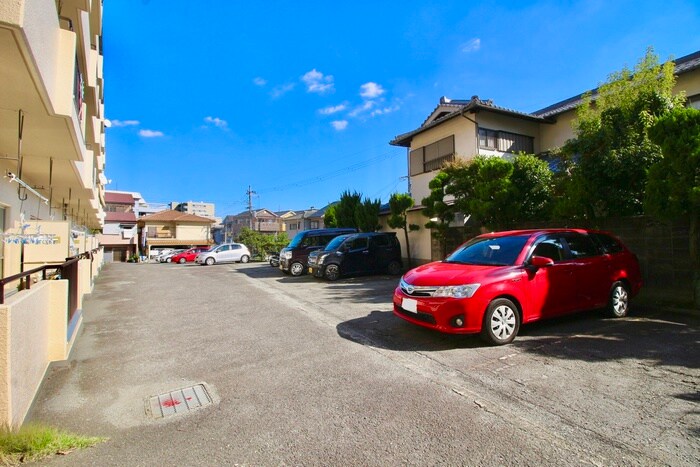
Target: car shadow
(666, 340)
(381, 329)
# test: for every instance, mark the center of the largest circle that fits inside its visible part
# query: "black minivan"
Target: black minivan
(362, 253)
(294, 256)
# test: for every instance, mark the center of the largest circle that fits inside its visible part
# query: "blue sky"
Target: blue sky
(299, 99)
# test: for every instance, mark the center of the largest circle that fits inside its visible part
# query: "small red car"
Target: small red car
(188, 256)
(495, 282)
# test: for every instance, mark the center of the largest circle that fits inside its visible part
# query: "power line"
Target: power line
(329, 175)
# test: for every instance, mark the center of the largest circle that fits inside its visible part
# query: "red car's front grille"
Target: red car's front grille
(420, 316)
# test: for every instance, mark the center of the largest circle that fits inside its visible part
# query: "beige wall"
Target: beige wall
(419, 240)
(688, 83)
(192, 232)
(462, 129)
(554, 136)
(36, 255)
(33, 331)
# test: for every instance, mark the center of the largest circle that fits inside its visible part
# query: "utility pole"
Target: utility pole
(250, 194)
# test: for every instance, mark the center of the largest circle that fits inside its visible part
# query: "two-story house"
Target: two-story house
(307, 219)
(261, 220)
(467, 128)
(173, 229)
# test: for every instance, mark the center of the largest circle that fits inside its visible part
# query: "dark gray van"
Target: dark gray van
(294, 256)
(355, 254)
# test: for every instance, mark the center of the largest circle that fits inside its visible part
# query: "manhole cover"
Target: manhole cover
(178, 401)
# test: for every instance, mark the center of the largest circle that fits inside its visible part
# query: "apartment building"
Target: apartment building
(119, 234)
(261, 220)
(466, 128)
(198, 209)
(52, 163)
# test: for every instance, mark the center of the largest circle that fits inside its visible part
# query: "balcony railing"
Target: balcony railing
(67, 270)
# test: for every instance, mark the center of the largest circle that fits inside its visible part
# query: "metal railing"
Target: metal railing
(67, 270)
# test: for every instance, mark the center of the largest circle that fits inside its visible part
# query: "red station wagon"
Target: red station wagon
(494, 282)
(189, 255)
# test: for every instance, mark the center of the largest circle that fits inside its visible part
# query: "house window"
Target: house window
(694, 101)
(487, 138)
(505, 141)
(433, 156)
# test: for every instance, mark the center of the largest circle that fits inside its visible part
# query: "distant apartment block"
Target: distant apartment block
(198, 209)
(119, 234)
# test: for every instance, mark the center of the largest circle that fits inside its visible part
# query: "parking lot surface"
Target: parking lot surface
(307, 372)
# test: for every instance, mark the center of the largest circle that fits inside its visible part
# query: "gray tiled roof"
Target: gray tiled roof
(682, 65)
(460, 106)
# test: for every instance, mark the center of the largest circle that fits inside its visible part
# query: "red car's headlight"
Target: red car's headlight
(456, 291)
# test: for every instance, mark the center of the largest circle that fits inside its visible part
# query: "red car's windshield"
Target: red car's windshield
(492, 251)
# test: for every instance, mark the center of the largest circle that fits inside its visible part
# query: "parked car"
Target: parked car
(188, 256)
(294, 256)
(224, 253)
(354, 254)
(495, 282)
(156, 254)
(168, 257)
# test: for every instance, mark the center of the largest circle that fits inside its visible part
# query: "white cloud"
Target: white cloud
(279, 91)
(217, 122)
(318, 82)
(258, 81)
(385, 110)
(472, 46)
(339, 125)
(363, 108)
(332, 109)
(151, 133)
(371, 90)
(124, 122)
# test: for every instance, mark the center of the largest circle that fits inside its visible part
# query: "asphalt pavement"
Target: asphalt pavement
(241, 365)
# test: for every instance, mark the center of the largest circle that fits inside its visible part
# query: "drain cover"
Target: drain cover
(178, 401)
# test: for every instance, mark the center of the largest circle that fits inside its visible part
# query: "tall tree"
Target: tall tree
(611, 149)
(673, 188)
(499, 192)
(329, 217)
(399, 204)
(367, 215)
(347, 208)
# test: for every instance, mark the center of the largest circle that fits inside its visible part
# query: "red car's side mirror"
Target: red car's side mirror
(540, 261)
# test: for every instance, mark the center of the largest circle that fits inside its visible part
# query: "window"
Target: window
(505, 141)
(610, 245)
(487, 138)
(432, 157)
(694, 101)
(551, 248)
(581, 246)
(380, 241)
(358, 244)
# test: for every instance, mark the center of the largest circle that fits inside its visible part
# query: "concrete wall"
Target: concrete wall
(33, 331)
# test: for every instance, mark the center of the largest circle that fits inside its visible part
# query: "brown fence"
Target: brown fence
(663, 249)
